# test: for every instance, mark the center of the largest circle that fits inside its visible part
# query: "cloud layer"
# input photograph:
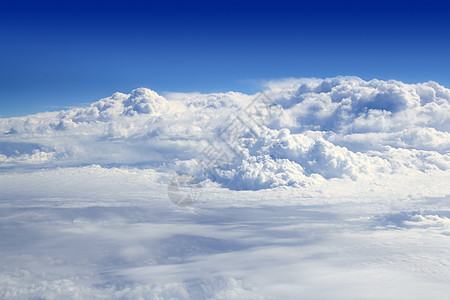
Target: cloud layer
(341, 127)
(325, 188)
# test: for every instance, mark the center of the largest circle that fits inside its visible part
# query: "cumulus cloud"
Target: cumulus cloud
(342, 127)
(352, 105)
(428, 221)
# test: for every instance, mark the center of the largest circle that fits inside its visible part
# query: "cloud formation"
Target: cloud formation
(341, 127)
(348, 180)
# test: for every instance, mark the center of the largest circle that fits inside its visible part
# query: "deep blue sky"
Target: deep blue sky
(55, 54)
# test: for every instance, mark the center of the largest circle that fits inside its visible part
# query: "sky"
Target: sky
(59, 54)
(330, 188)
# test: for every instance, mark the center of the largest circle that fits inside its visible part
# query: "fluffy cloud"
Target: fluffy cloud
(341, 127)
(353, 105)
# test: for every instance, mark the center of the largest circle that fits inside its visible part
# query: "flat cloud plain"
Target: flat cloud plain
(334, 188)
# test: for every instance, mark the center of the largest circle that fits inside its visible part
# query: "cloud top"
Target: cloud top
(341, 127)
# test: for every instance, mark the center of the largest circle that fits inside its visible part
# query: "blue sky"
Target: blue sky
(57, 54)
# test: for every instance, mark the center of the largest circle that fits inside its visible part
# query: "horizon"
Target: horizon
(260, 86)
(57, 55)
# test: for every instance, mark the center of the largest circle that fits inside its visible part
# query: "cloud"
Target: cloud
(341, 127)
(338, 190)
(92, 232)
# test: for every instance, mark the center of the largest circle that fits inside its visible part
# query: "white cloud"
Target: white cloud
(341, 195)
(93, 232)
(334, 128)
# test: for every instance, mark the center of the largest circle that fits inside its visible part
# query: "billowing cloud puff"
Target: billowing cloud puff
(140, 101)
(341, 127)
(145, 101)
(353, 105)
